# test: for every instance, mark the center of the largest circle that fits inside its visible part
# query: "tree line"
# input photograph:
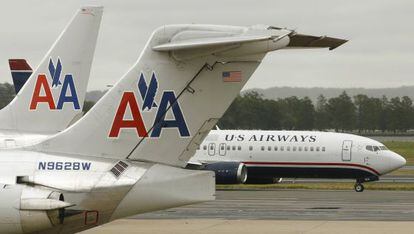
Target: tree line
(342, 113)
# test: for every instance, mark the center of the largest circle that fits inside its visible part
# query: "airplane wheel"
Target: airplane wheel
(359, 187)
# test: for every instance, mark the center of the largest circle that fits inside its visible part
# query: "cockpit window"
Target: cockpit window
(376, 148)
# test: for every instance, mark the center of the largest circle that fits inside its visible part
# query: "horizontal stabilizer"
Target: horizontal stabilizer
(209, 42)
(301, 41)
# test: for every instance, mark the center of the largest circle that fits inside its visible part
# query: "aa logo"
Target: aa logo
(148, 93)
(42, 92)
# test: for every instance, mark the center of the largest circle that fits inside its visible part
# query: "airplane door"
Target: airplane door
(222, 149)
(346, 150)
(211, 149)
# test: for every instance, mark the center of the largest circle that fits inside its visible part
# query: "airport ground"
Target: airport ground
(314, 206)
(281, 211)
(294, 206)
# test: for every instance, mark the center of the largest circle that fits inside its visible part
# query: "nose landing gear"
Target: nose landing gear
(359, 187)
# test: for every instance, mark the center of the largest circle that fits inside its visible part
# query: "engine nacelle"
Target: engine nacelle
(228, 172)
(27, 209)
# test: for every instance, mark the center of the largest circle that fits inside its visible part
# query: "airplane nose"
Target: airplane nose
(398, 161)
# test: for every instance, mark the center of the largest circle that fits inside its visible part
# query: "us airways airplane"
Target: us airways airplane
(125, 156)
(265, 156)
(52, 97)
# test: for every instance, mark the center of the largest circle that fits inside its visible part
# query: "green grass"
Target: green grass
(322, 186)
(404, 148)
(403, 172)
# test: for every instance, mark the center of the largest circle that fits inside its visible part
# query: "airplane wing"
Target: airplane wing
(194, 164)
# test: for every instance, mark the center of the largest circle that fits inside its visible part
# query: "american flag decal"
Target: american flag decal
(232, 76)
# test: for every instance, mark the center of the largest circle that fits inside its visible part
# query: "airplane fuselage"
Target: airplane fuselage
(15, 139)
(299, 154)
(88, 191)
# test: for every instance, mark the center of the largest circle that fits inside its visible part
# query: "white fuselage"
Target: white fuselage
(299, 154)
(16, 139)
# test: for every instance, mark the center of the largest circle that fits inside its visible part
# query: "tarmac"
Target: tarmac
(280, 211)
(369, 205)
(218, 226)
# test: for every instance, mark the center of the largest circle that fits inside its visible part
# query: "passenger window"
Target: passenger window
(311, 148)
(288, 148)
(250, 148)
(294, 148)
(205, 147)
(317, 148)
(323, 149)
(300, 148)
(262, 148)
(233, 147)
(239, 148)
(306, 148)
(275, 148)
(222, 147)
(228, 148)
(369, 147)
(282, 148)
(269, 148)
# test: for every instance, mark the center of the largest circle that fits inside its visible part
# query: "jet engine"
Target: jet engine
(26, 209)
(228, 172)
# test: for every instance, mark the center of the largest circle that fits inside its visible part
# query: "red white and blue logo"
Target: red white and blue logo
(148, 94)
(42, 92)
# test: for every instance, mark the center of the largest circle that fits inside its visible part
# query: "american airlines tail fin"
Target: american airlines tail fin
(20, 72)
(164, 106)
(55, 92)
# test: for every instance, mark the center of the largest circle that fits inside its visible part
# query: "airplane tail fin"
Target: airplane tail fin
(54, 93)
(20, 72)
(183, 82)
